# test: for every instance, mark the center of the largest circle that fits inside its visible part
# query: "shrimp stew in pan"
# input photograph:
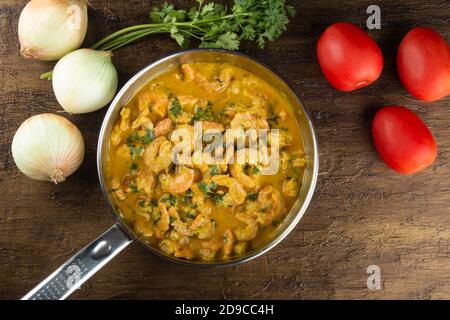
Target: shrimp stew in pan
(205, 207)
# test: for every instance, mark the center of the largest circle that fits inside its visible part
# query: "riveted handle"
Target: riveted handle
(83, 265)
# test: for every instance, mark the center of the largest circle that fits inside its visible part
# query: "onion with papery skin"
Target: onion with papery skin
(48, 147)
(49, 29)
(85, 80)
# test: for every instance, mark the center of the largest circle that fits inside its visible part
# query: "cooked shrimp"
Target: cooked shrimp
(251, 229)
(188, 102)
(182, 118)
(158, 155)
(252, 91)
(248, 120)
(228, 242)
(207, 254)
(117, 189)
(202, 226)
(291, 162)
(237, 172)
(199, 163)
(188, 71)
(116, 135)
(272, 203)
(163, 224)
(203, 160)
(203, 205)
(181, 227)
(218, 85)
(290, 188)
(209, 249)
(184, 252)
(240, 248)
(284, 161)
(207, 208)
(284, 138)
(256, 97)
(223, 81)
(211, 125)
(124, 119)
(145, 181)
(180, 182)
(171, 247)
(237, 169)
(155, 100)
(168, 246)
(142, 121)
(198, 197)
(298, 162)
(163, 127)
(144, 227)
(236, 193)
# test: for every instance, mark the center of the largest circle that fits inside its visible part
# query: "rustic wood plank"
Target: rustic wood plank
(362, 213)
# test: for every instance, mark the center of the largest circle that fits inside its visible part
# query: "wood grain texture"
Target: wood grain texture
(362, 212)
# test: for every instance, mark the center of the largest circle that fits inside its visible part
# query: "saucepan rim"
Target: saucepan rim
(313, 160)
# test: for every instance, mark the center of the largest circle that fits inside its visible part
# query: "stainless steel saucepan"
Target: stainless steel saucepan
(95, 255)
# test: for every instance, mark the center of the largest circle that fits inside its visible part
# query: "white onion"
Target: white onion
(49, 29)
(48, 147)
(85, 80)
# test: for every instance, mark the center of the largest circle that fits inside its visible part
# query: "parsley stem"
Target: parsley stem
(114, 35)
(214, 25)
(105, 43)
(128, 38)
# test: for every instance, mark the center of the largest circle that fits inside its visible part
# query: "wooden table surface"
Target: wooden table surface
(362, 213)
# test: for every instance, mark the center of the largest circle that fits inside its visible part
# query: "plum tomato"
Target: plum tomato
(403, 141)
(349, 58)
(423, 64)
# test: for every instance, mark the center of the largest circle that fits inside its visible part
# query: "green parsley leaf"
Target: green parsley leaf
(136, 151)
(175, 109)
(141, 203)
(148, 137)
(191, 215)
(207, 189)
(214, 169)
(211, 24)
(171, 200)
(228, 41)
(218, 198)
(252, 196)
(205, 114)
(176, 35)
(132, 139)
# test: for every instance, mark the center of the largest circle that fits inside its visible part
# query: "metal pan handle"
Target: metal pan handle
(78, 269)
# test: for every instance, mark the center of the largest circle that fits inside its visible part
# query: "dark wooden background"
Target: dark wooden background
(362, 212)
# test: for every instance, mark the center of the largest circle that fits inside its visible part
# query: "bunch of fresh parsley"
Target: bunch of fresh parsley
(212, 25)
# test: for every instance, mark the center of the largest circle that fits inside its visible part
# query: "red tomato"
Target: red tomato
(403, 140)
(349, 58)
(423, 63)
